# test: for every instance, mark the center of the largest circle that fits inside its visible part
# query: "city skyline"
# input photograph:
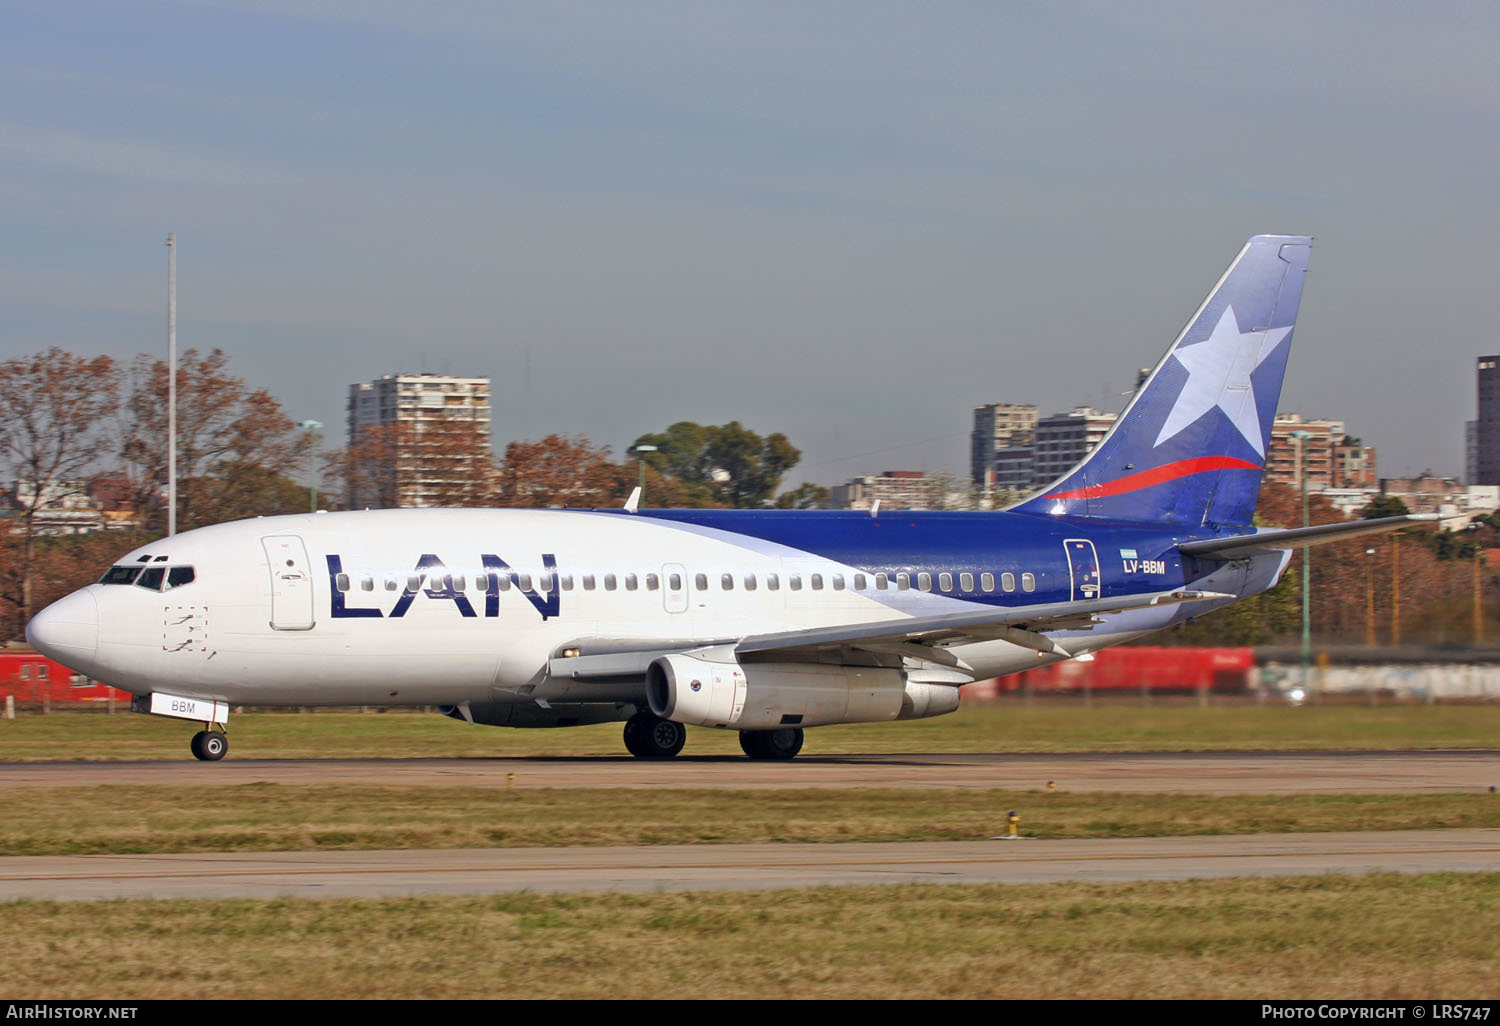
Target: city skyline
(780, 215)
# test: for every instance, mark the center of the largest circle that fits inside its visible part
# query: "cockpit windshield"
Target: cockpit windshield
(154, 578)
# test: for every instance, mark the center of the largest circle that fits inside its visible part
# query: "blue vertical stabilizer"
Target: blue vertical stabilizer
(1191, 446)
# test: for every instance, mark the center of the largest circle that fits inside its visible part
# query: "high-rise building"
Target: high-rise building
(1487, 426)
(1329, 457)
(1065, 438)
(998, 426)
(894, 489)
(419, 440)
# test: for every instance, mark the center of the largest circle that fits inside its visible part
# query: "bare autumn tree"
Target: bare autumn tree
(231, 440)
(560, 471)
(53, 429)
(365, 470)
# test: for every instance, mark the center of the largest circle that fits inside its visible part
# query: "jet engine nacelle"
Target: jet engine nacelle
(761, 696)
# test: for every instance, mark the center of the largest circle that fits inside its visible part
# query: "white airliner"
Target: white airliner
(764, 622)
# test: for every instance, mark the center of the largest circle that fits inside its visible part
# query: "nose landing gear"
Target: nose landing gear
(209, 745)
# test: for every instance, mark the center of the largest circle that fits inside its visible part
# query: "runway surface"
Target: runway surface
(738, 866)
(1170, 772)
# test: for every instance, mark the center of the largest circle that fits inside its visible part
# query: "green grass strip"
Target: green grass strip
(1377, 936)
(1053, 726)
(314, 817)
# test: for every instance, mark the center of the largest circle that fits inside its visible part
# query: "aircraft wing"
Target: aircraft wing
(923, 637)
(1300, 537)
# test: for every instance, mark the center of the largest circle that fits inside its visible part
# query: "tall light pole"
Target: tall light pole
(1395, 589)
(171, 383)
(313, 427)
(640, 465)
(1474, 527)
(1302, 437)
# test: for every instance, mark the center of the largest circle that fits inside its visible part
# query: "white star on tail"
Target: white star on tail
(1219, 370)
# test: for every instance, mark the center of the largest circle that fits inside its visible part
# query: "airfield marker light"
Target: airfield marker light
(510, 781)
(1015, 823)
(1052, 785)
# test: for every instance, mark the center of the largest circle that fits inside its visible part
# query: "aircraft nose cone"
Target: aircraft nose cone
(68, 631)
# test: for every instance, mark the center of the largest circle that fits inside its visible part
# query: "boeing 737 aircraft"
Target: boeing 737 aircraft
(764, 622)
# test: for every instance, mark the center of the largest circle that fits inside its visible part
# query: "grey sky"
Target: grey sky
(851, 222)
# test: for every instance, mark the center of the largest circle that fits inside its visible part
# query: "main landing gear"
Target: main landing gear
(209, 745)
(648, 736)
(780, 744)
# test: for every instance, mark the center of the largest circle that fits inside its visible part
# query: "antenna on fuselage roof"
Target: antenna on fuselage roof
(634, 502)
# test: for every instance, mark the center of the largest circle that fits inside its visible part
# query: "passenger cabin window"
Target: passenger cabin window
(838, 582)
(966, 582)
(653, 582)
(588, 582)
(924, 581)
(726, 581)
(544, 582)
(987, 582)
(632, 582)
(794, 581)
(816, 580)
(945, 581)
(859, 582)
(565, 581)
(882, 582)
(610, 582)
(120, 575)
(773, 582)
(523, 581)
(674, 582)
(1028, 582)
(502, 582)
(390, 583)
(749, 582)
(700, 581)
(1008, 581)
(903, 582)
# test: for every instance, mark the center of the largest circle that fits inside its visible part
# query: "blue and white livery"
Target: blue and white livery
(764, 622)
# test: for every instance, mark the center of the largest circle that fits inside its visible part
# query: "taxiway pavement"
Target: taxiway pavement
(738, 866)
(1157, 772)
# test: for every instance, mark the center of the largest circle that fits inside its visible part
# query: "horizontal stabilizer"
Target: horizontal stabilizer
(1300, 537)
